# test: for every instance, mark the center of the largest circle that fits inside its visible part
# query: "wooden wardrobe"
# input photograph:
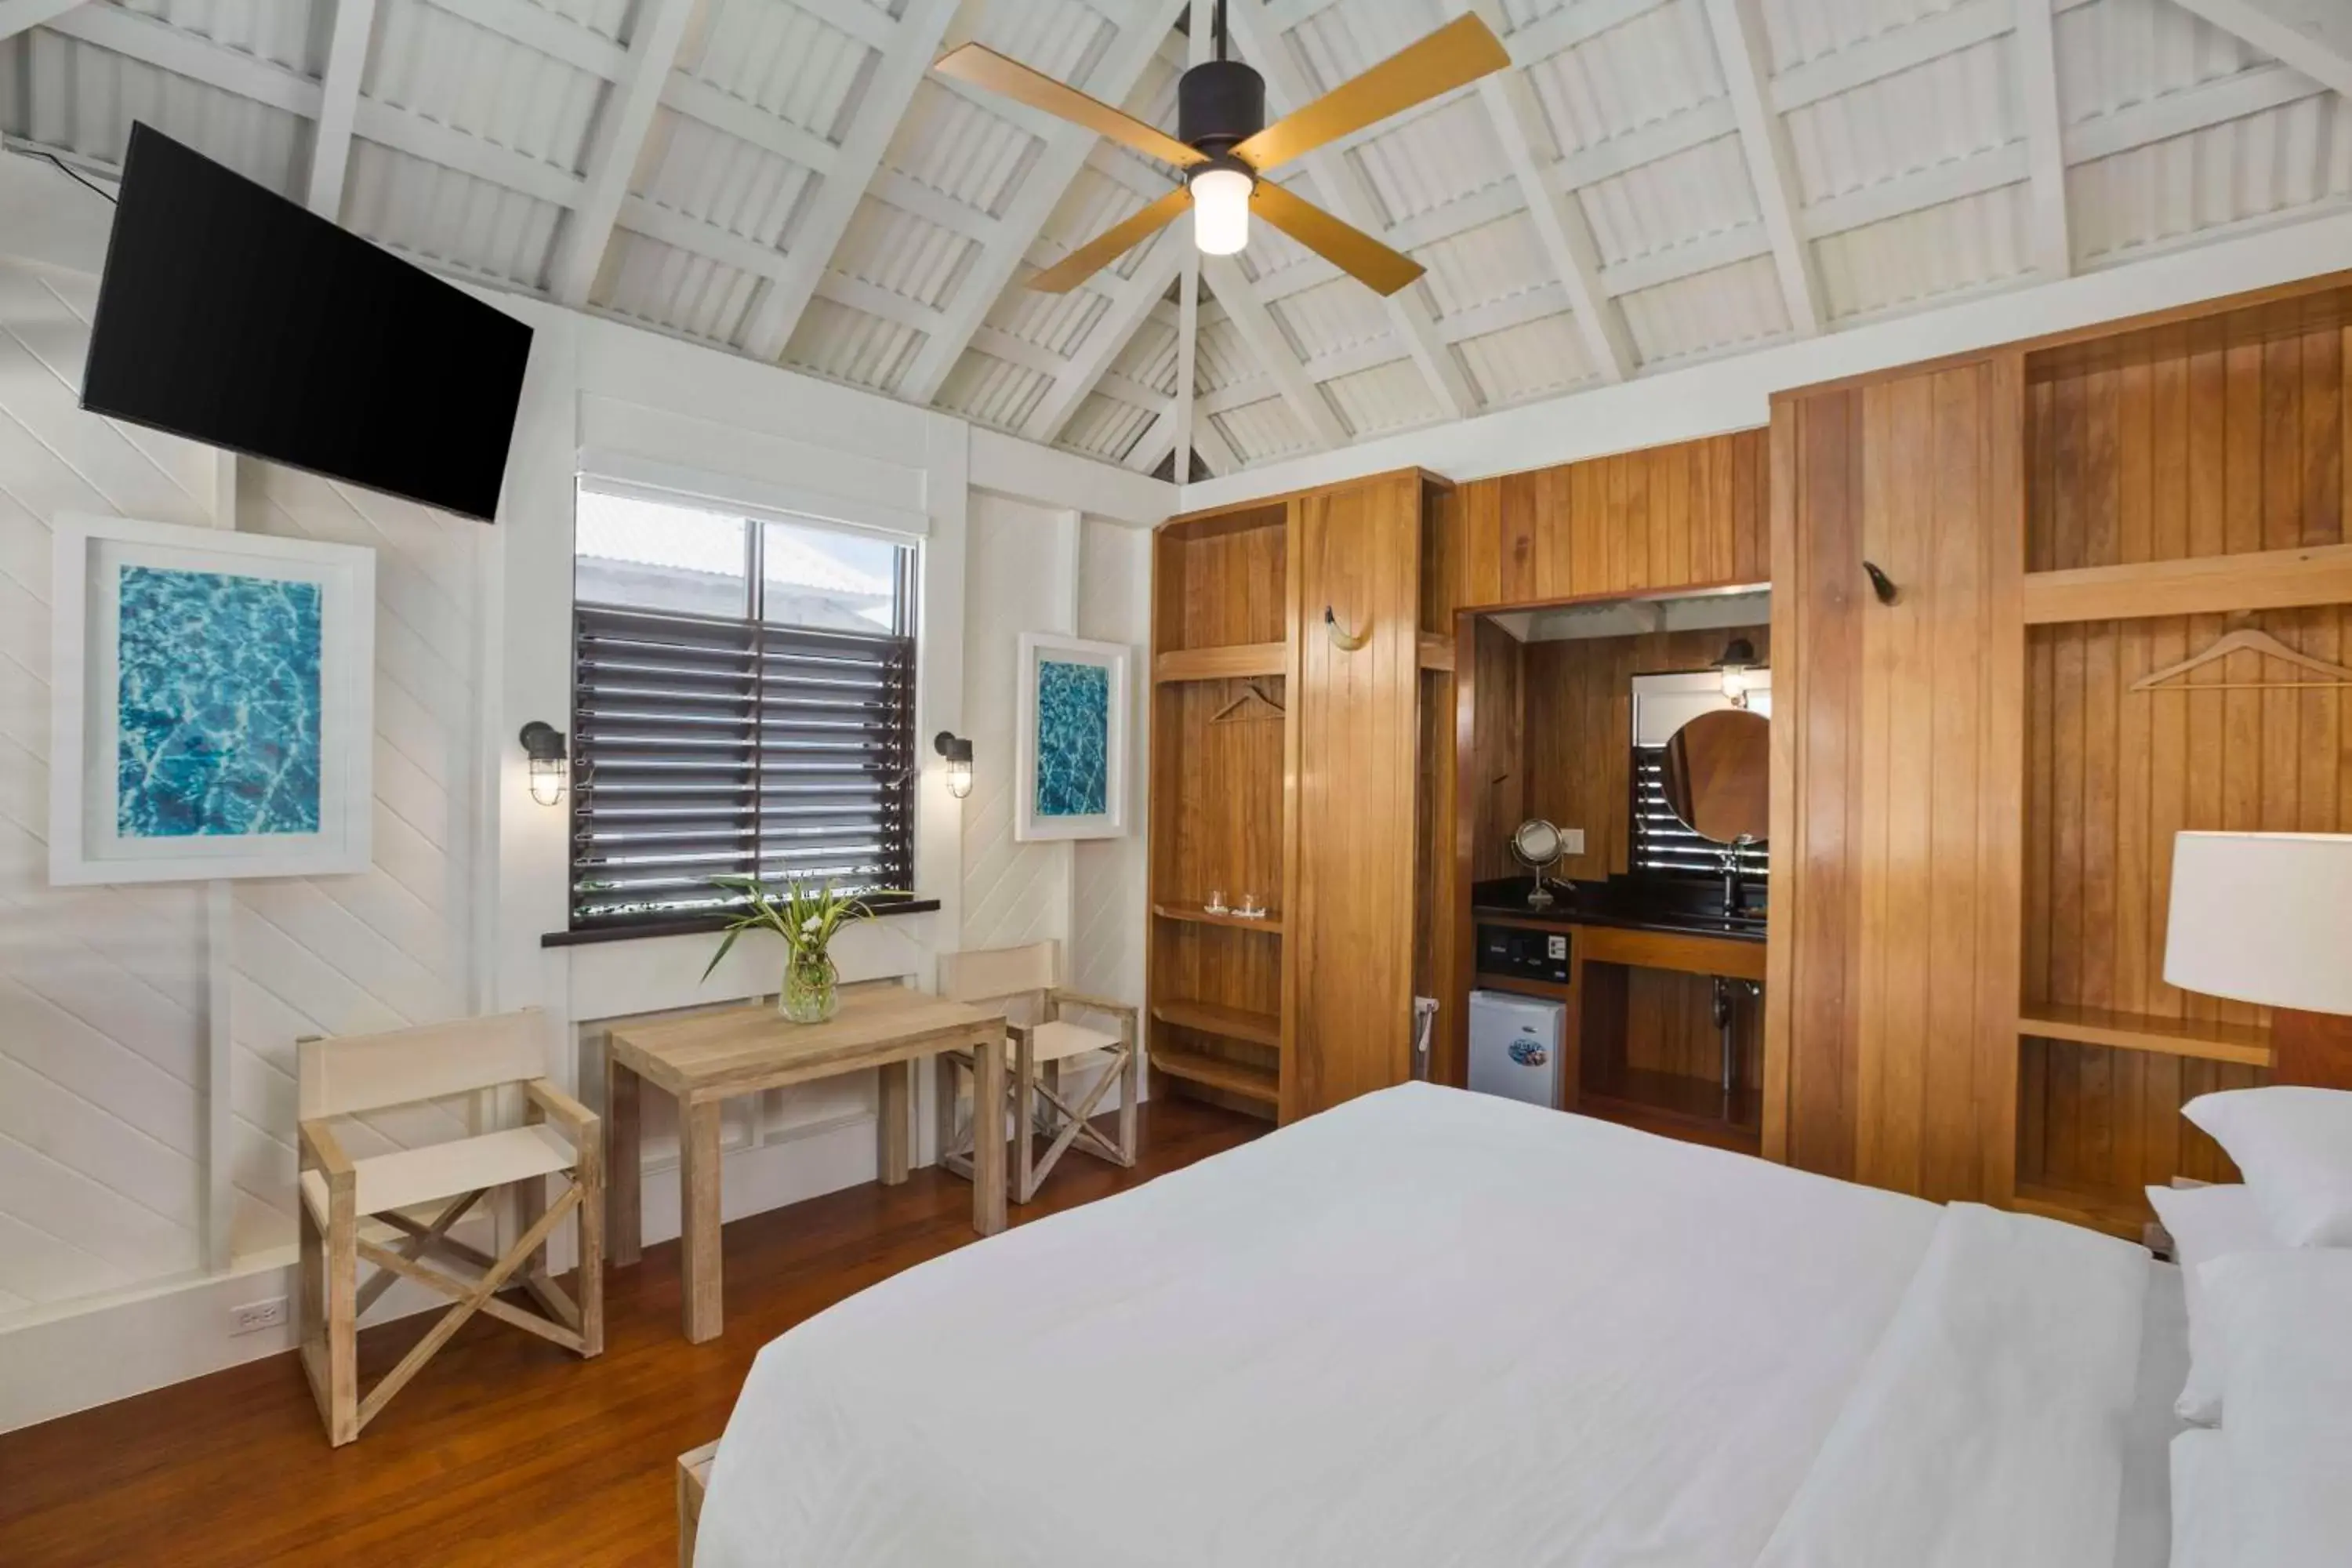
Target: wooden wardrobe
(1289, 715)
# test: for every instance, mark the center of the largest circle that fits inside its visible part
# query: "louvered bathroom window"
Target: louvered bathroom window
(743, 705)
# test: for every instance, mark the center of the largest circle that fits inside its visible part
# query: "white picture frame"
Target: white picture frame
(1041, 817)
(314, 830)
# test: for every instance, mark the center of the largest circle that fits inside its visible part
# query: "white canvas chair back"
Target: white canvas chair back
(350, 1073)
(996, 973)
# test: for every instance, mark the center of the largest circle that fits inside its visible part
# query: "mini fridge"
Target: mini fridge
(1514, 1046)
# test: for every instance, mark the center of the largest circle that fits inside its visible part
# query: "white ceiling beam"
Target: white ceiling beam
(23, 16)
(485, 160)
(1953, 179)
(694, 235)
(1146, 180)
(1502, 315)
(1151, 448)
(1263, 337)
(1349, 200)
(1214, 449)
(331, 147)
(1459, 215)
(1724, 248)
(1739, 44)
(1131, 300)
(1559, 222)
(1127, 389)
(874, 121)
(935, 206)
(540, 28)
(997, 343)
(614, 146)
(1677, 132)
(2314, 36)
(1041, 191)
(2045, 137)
(1187, 368)
(1892, 52)
(876, 300)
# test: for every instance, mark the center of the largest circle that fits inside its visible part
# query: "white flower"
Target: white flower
(810, 924)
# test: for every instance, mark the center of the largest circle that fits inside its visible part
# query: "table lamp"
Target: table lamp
(2267, 918)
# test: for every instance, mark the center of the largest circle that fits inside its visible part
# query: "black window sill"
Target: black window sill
(703, 925)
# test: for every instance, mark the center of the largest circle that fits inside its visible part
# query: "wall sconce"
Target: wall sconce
(958, 756)
(544, 743)
(1735, 663)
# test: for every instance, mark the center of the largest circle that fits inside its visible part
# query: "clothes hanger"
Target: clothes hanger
(2248, 640)
(1232, 712)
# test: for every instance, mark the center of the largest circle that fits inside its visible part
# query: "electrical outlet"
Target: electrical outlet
(255, 1316)
(1571, 842)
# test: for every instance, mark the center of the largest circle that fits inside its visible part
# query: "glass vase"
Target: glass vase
(812, 989)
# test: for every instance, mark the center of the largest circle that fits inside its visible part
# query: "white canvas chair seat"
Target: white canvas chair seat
(560, 1137)
(1034, 1054)
(413, 1176)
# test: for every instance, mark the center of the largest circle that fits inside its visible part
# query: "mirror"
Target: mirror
(1538, 845)
(1718, 770)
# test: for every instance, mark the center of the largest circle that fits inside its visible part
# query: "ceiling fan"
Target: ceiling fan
(1225, 146)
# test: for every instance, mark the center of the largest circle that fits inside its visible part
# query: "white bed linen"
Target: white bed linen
(1425, 1328)
(2204, 1523)
(2144, 1532)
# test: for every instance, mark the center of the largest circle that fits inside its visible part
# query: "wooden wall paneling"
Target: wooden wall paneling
(1354, 727)
(1494, 778)
(1441, 945)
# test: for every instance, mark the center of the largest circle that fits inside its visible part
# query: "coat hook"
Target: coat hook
(1882, 584)
(1342, 639)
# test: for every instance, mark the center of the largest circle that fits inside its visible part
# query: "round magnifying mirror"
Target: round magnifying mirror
(1718, 770)
(1537, 845)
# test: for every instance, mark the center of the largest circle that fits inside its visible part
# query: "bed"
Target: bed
(1430, 1327)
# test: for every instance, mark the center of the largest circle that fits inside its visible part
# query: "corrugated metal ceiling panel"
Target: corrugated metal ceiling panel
(1392, 396)
(442, 215)
(1258, 432)
(2298, 155)
(2115, 53)
(1499, 261)
(472, 79)
(1331, 316)
(842, 344)
(278, 31)
(706, 173)
(961, 150)
(675, 288)
(1149, 356)
(1948, 109)
(1061, 39)
(1535, 359)
(894, 249)
(1707, 312)
(992, 391)
(1909, 260)
(1222, 357)
(606, 19)
(785, 60)
(1059, 323)
(62, 93)
(1436, 158)
(1105, 427)
(1801, 30)
(1346, 37)
(1655, 65)
(1671, 202)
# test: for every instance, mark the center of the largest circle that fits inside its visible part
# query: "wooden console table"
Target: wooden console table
(707, 1058)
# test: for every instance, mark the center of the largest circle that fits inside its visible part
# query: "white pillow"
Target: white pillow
(2286, 1332)
(2295, 1145)
(2208, 1223)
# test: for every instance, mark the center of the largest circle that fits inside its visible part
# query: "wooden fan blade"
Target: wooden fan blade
(984, 67)
(1112, 243)
(1351, 251)
(1462, 51)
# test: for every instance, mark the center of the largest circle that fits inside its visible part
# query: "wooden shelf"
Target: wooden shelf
(1214, 1072)
(1678, 1106)
(1237, 660)
(2210, 585)
(1436, 651)
(2117, 1213)
(1230, 1022)
(2245, 1044)
(1269, 922)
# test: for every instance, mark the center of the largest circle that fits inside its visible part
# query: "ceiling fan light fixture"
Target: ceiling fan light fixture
(1221, 202)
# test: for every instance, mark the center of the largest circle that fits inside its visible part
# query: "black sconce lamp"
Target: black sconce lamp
(958, 753)
(544, 743)
(1737, 659)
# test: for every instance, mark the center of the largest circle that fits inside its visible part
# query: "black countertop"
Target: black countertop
(1692, 909)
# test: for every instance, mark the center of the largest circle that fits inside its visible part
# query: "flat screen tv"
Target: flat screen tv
(229, 315)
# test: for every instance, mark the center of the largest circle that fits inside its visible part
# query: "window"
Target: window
(743, 695)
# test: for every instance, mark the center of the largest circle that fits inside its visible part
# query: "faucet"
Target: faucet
(1731, 880)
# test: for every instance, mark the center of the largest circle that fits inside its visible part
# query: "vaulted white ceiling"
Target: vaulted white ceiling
(1654, 181)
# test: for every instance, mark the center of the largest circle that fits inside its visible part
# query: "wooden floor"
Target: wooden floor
(504, 1449)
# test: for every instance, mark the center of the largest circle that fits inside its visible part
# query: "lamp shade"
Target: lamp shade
(2263, 917)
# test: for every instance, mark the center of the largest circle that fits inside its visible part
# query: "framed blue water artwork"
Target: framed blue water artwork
(1070, 766)
(212, 704)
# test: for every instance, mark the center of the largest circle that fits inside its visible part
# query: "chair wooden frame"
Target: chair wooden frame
(471, 1055)
(1032, 1089)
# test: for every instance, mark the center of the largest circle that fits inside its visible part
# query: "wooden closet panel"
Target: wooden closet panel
(1354, 726)
(1492, 772)
(1685, 516)
(1579, 732)
(1246, 559)
(1222, 783)
(1898, 748)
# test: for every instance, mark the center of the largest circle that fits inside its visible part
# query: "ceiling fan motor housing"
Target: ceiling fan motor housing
(1219, 104)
